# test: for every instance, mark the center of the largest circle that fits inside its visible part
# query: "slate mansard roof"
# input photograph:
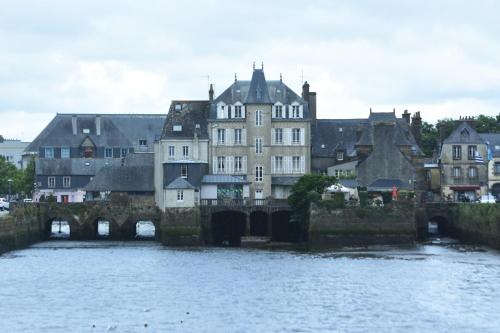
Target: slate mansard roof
(464, 133)
(116, 130)
(135, 175)
(493, 141)
(73, 166)
(190, 115)
(259, 91)
(331, 135)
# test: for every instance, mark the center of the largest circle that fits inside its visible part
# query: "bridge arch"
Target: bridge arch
(67, 226)
(438, 225)
(283, 229)
(131, 226)
(113, 229)
(228, 227)
(258, 223)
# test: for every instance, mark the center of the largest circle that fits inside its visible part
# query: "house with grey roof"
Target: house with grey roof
(380, 152)
(259, 133)
(74, 147)
(13, 152)
(492, 141)
(181, 154)
(464, 165)
(133, 177)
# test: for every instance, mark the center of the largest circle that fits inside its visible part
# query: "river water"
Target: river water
(67, 286)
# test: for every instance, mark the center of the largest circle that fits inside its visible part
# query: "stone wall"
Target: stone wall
(18, 233)
(392, 224)
(477, 223)
(181, 226)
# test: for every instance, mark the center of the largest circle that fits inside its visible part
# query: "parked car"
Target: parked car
(4, 204)
(487, 199)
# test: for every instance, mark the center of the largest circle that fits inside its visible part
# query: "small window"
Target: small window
(66, 181)
(471, 152)
(295, 164)
(295, 111)
(340, 156)
(184, 170)
(237, 111)
(457, 152)
(185, 151)
(86, 131)
(340, 129)
(457, 172)
(472, 172)
(497, 168)
(221, 136)
(258, 145)
(65, 152)
(177, 128)
(49, 152)
(238, 164)
(295, 136)
(143, 143)
(221, 164)
(171, 151)
(51, 182)
(124, 152)
(278, 164)
(259, 173)
(180, 195)
(108, 152)
(258, 117)
(278, 111)
(178, 107)
(278, 136)
(237, 136)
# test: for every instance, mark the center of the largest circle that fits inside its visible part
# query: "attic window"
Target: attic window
(238, 91)
(197, 126)
(464, 132)
(323, 146)
(340, 129)
(178, 107)
(278, 91)
(87, 163)
(143, 142)
(177, 128)
(86, 131)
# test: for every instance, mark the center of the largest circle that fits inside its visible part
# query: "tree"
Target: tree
(8, 171)
(29, 178)
(306, 190)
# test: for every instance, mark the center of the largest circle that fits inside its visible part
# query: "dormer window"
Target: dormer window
(340, 156)
(296, 111)
(221, 111)
(177, 128)
(178, 107)
(278, 111)
(237, 111)
(464, 132)
(340, 129)
(86, 131)
(143, 143)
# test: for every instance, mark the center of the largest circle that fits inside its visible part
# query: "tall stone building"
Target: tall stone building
(260, 133)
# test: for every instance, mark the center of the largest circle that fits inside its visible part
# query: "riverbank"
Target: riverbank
(16, 235)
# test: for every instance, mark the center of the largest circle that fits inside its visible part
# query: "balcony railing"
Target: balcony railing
(243, 202)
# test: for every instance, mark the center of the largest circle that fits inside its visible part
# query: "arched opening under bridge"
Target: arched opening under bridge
(228, 227)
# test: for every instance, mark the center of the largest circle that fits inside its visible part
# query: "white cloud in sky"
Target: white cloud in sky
(438, 57)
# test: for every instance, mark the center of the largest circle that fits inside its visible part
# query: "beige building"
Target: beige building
(464, 168)
(259, 132)
(492, 141)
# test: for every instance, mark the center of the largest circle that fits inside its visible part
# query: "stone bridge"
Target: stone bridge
(83, 218)
(445, 214)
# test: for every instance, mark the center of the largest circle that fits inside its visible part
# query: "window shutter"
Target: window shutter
(214, 165)
(287, 133)
(243, 136)
(302, 136)
(243, 111)
(273, 111)
(229, 137)
(273, 164)
(302, 164)
(230, 164)
(273, 136)
(214, 136)
(244, 164)
(301, 111)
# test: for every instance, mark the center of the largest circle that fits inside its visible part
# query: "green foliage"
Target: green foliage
(363, 198)
(338, 202)
(307, 189)
(431, 133)
(22, 180)
(386, 197)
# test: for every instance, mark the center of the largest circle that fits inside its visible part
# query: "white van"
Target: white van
(487, 199)
(4, 204)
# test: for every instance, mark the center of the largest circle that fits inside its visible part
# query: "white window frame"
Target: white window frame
(238, 135)
(238, 109)
(238, 164)
(221, 164)
(106, 151)
(185, 151)
(278, 111)
(472, 172)
(340, 156)
(66, 149)
(51, 150)
(296, 136)
(171, 151)
(258, 146)
(457, 172)
(221, 136)
(278, 164)
(258, 118)
(180, 195)
(295, 111)
(184, 170)
(295, 164)
(66, 181)
(259, 173)
(51, 182)
(278, 136)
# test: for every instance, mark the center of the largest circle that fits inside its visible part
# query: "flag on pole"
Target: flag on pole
(478, 158)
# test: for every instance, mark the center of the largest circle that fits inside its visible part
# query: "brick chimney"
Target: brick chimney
(416, 127)
(98, 125)
(406, 116)
(73, 124)
(211, 93)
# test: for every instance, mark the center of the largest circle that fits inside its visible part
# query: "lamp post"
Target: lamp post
(10, 187)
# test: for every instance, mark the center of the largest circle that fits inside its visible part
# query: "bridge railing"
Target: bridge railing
(244, 202)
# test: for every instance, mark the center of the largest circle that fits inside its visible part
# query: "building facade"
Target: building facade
(74, 147)
(13, 152)
(464, 165)
(492, 141)
(259, 132)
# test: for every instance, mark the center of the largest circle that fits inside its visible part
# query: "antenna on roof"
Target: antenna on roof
(281, 77)
(235, 77)
(262, 65)
(254, 65)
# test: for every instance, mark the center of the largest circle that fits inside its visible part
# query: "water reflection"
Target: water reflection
(60, 229)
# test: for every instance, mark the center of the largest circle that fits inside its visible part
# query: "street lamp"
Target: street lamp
(10, 187)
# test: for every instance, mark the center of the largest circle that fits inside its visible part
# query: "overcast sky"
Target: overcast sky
(95, 56)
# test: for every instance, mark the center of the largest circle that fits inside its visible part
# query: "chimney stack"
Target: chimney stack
(73, 124)
(305, 91)
(406, 116)
(211, 93)
(416, 127)
(98, 125)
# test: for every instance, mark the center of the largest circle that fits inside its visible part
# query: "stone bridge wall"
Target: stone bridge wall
(477, 223)
(392, 224)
